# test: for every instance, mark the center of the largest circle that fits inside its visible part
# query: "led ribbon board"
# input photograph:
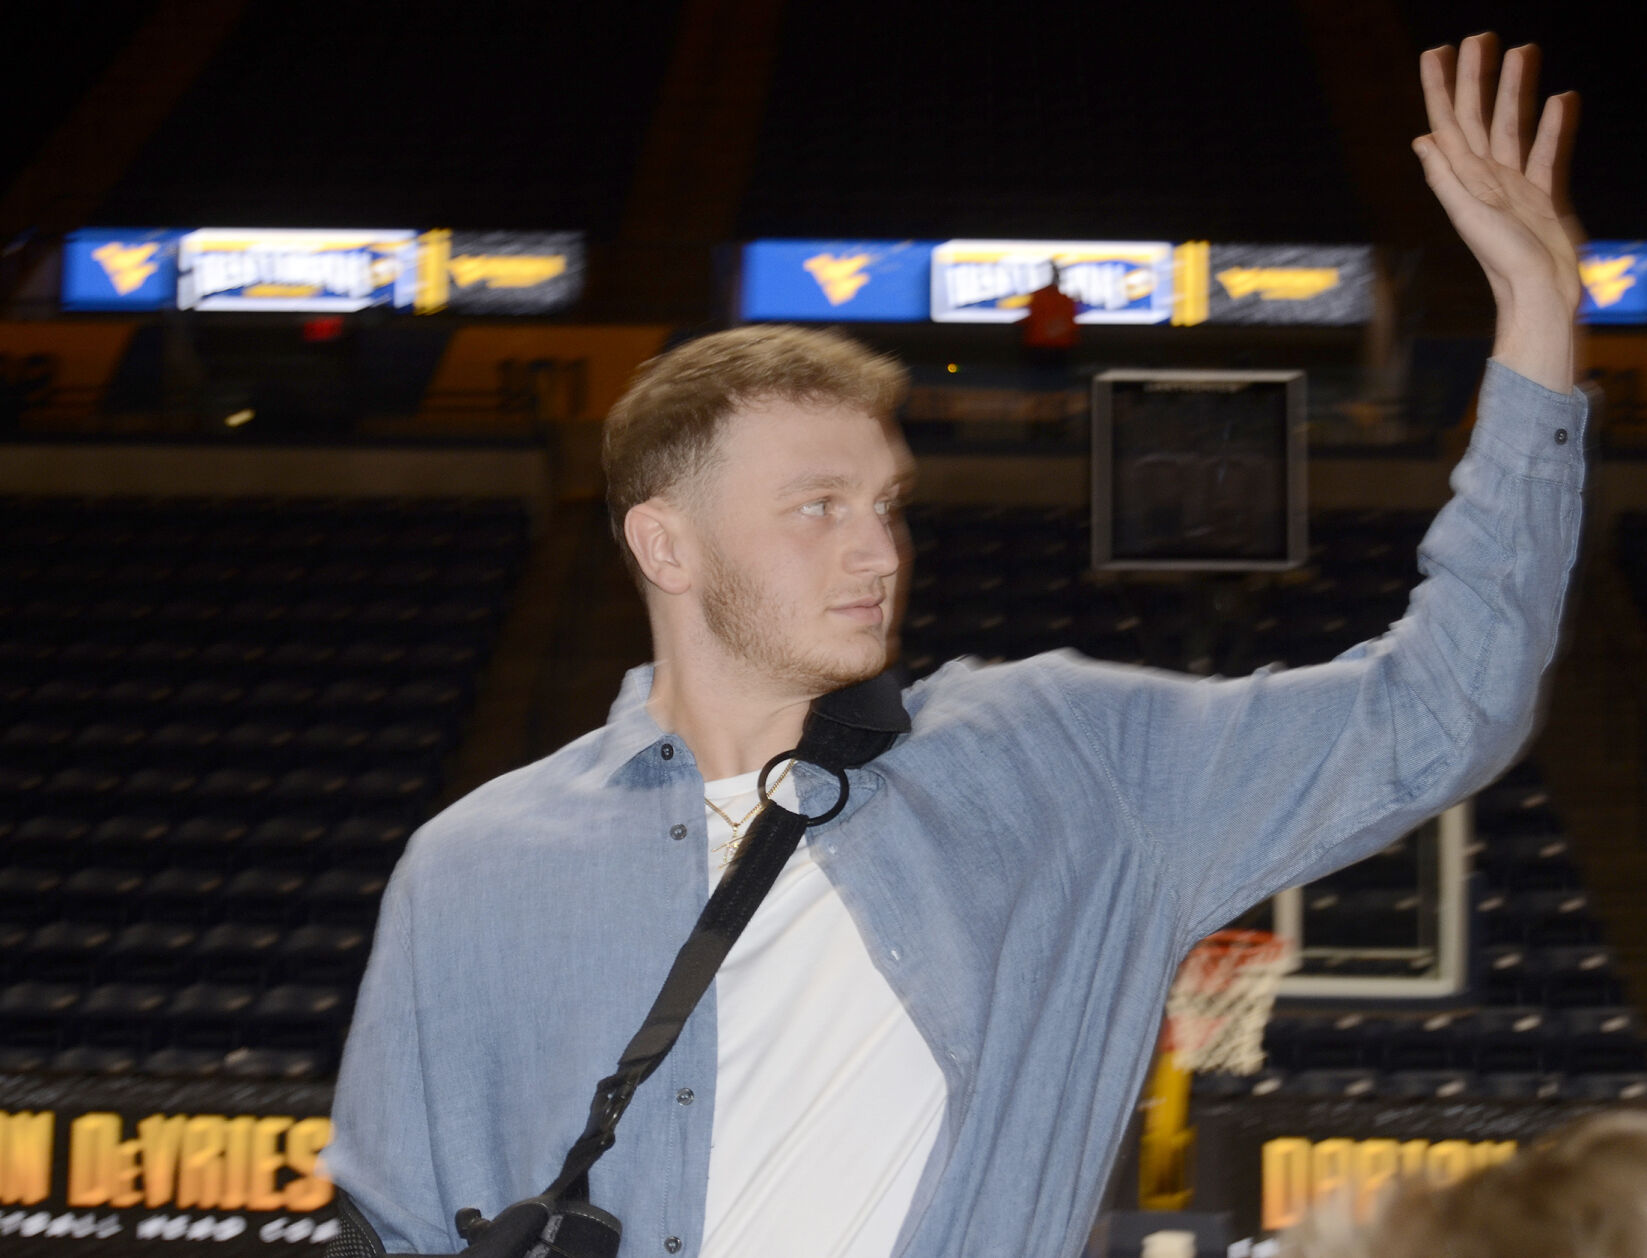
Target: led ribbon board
(836, 281)
(221, 268)
(108, 268)
(990, 281)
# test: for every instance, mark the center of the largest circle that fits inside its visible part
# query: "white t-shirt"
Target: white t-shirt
(827, 1098)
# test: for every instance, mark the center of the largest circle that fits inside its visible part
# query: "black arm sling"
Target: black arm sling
(843, 730)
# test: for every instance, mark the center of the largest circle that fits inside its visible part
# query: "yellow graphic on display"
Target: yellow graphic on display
(1189, 283)
(191, 1161)
(199, 1161)
(1278, 283)
(434, 256)
(1608, 279)
(840, 278)
(1298, 1172)
(128, 268)
(281, 290)
(506, 270)
(25, 1157)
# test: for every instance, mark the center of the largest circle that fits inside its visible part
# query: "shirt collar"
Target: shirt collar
(632, 743)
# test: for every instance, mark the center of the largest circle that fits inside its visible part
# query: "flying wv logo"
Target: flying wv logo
(128, 267)
(839, 277)
(1608, 279)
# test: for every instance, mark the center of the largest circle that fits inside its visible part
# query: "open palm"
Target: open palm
(1503, 184)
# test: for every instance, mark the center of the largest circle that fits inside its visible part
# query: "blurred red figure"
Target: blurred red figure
(1049, 328)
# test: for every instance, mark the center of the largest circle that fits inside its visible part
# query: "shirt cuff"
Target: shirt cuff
(1528, 429)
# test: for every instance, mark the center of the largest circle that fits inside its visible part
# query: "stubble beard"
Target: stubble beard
(739, 613)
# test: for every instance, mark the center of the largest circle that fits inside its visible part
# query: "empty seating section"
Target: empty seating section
(1547, 1014)
(219, 722)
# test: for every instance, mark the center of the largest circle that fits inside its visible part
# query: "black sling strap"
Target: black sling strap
(844, 729)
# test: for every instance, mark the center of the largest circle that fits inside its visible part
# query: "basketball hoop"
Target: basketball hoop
(1221, 1000)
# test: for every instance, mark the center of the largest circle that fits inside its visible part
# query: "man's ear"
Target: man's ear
(656, 533)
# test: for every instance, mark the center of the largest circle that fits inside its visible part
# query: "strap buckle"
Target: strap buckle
(829, 815)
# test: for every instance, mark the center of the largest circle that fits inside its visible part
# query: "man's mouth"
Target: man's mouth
(863, 611)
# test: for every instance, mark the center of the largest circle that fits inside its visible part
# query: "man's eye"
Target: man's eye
(818, 508)
(891, 507)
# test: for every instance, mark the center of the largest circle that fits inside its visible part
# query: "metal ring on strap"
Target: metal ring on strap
(835, 808)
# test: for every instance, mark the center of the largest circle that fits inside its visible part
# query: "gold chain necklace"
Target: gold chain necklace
(731, 846)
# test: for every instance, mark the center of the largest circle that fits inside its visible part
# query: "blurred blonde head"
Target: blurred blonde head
(1580, 1193)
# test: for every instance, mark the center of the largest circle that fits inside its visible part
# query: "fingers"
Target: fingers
(1476, 78)
(1512, 125)
(1435, 75)
(1442, 178)
(1551, 156)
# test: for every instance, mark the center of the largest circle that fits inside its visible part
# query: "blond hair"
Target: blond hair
(1580, 1193)
(662, 431)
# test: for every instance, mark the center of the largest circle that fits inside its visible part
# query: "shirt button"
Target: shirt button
(895, 954)
(667, 751)
(672, 1244)
(1561, 436)
(677, 831)
(685, 1096)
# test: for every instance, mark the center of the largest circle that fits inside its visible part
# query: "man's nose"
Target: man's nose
(879, 545)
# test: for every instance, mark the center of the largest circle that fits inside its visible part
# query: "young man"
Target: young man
(929, 1039)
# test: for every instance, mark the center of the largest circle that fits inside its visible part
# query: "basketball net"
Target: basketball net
(1221, 1000)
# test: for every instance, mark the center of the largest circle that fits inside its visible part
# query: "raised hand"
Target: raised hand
(1504, 186)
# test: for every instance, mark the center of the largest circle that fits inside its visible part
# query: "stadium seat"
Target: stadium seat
(1602, 1041)
(1348, 1084)
(1436, 1042)
(151, 952)
(182, 894)
(1522, 1086)
(345, 897)
(102, 893)
(90, 1059)
(289, 1064)
(65, 951)
(1439, 1085)
(53, 840)
(238, 952)
(183, 1063)
(122, 1014)
(333, 955)
(36, 1015)
(264, 894)
(209, 1016)
(1610, 1086)
(1514, 1040)
(29, 894)
(288, 840)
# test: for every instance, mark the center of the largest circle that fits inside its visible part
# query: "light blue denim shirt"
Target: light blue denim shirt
(1027, 867)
